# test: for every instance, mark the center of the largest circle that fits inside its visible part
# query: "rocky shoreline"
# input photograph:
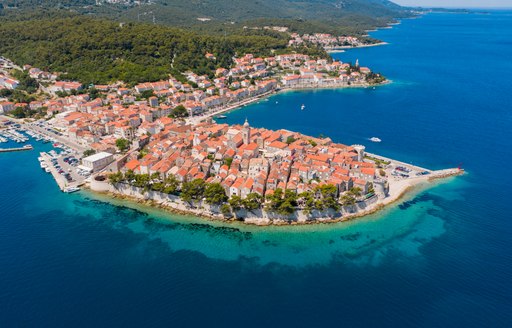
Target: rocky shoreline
(201, 213)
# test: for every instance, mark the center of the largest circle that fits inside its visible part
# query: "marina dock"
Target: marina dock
(59, 178)
(8, 150)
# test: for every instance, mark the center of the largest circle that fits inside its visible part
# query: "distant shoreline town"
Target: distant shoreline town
(158, 141)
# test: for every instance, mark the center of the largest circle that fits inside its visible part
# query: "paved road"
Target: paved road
(62, 139)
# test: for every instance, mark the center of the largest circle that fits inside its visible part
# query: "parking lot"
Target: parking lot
(65, 169)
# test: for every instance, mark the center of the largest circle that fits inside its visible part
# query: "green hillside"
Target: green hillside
(100, 51)
(337, 16)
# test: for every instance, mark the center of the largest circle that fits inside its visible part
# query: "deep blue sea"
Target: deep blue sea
(443, 258)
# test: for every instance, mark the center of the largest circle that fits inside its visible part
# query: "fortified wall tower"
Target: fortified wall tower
(360, 152)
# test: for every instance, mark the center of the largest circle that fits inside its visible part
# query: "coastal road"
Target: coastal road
(62, 139)
(199, 118)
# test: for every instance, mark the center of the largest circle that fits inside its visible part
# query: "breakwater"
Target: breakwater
(8, 150)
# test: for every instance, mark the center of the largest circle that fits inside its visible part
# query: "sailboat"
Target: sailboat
(302, 107)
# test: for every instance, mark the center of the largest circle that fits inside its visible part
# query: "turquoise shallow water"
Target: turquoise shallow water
(440, 258)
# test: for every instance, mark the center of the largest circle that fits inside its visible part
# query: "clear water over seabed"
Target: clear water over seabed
(439, 259)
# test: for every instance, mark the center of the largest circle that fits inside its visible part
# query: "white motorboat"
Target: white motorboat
(69, 190)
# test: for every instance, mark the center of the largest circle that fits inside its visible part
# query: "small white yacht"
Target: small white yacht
(69, 190)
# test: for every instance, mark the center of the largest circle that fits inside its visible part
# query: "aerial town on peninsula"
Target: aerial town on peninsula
(161, 137)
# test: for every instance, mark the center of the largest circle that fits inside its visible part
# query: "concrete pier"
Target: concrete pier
(62, 182)
(7, 150)
(395, 163)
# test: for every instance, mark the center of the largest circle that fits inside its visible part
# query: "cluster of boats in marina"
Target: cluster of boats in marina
(43, 163)
(12, 134)
(39, 137)
(15, 134)
(49, 161)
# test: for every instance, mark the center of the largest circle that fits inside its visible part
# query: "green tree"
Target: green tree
(146, 94)
(5, 93)
(225, 209)
(236, 202)
(327, 197)
(307, 201)
(215, 194)
(89, 152)
(228, 161)
(158, 186)
(142, 181)
(115, 177)
(122, 144)
(26, 83)
(129, 176)
(274, 200)
(179, 112)
(355, 191)
(171, 184)
(347, 200)
(94, 93)
(252, 201)
(287, 207)
(193, 190)
(290, 140)
(155, 176)
(283, 203)
(18, 112)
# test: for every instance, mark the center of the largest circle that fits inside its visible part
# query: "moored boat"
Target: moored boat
(69, 190)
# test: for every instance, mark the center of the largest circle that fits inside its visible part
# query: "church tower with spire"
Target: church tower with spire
(246, 133)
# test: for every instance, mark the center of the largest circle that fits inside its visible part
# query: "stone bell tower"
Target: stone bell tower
(246, 133)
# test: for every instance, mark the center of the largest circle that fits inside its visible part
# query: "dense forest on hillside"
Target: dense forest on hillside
(224, 16)
(98, 51)
(98, 41)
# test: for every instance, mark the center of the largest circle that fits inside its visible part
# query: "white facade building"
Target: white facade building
(98, 161)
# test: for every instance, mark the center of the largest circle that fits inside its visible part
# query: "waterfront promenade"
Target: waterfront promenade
(395, 163)
(62, 139)
(229, 107)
